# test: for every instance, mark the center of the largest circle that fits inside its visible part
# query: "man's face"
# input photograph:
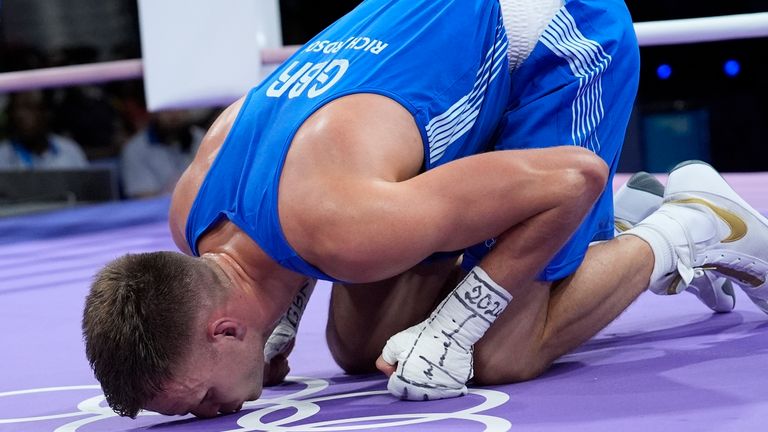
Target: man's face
(29, 115)
(208, 384)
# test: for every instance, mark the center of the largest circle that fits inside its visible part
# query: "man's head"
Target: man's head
(170, 333)
(28, 117)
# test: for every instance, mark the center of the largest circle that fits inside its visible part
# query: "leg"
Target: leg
(560, 319)
(363, 316)
(434, 358)
(542, 324)
(704, 226)
(575, 77)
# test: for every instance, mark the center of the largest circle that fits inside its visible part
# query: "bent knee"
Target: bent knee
(508, 373)
(517, 363)
(582, 177)
(354, 364)
(352, 358)
(589, 170)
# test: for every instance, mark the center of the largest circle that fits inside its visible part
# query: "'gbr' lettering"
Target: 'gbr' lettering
(315, 79)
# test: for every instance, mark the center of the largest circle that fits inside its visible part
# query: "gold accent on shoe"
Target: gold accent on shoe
(740, 276)
(672, 288)
(621, 226)
(735, 223)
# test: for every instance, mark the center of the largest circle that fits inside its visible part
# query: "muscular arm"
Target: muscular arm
(353, 203)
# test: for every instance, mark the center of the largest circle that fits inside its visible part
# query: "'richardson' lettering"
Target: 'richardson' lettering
(327, 47)
(379, 47)
(318, 78)
(365, 42)
(359, 43)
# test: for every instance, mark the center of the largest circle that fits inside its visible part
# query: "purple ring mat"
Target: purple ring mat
(667, 362)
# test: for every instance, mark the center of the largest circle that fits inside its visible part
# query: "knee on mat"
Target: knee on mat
(352, 358)
(353, 363)
(508, 373)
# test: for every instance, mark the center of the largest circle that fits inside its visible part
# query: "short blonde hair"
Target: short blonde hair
(138, 323)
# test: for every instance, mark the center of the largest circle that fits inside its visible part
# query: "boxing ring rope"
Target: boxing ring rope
(696, 30)
(651, 33)
(95, 73)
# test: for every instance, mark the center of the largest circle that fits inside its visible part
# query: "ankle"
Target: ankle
(672, 233)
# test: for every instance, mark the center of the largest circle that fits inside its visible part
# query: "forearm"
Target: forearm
(448, 208)
(285, 331)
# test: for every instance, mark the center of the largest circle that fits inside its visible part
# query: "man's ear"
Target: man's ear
(226, 328)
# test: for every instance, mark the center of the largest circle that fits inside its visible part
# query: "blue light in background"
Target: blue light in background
(732, 68)
(664, 71)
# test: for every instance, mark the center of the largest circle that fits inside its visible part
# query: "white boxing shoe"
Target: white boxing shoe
(637, 199)
(703, 227)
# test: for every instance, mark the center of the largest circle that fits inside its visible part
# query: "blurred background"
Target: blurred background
(706, 101)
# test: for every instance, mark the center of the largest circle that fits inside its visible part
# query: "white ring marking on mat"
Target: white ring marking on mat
(304, 409)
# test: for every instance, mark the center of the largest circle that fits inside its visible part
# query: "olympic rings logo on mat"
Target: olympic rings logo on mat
(300, 406)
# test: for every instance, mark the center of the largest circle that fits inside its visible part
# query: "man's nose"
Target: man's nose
(231, 407)
(206, 410)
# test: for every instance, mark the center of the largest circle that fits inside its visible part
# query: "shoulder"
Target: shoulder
(185, 192)
(69, 149)
(5, 147)
(65, 144)
(7, 156)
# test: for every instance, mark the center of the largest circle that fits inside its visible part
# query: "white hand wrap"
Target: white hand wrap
(286, 328)
(434, 358)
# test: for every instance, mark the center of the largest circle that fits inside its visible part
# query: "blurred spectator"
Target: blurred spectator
(127, 99)
(154, 159)
(87, 116)
(30, 143)
(86, 113)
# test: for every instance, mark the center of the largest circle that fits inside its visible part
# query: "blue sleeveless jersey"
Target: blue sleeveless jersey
(444, 61)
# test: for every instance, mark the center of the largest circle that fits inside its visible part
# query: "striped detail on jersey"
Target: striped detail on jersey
(588, 61)
(444, 129)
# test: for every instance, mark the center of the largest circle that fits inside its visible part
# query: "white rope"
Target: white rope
(70, 75)
(702, 29)
(650, 33)
(95, 73)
